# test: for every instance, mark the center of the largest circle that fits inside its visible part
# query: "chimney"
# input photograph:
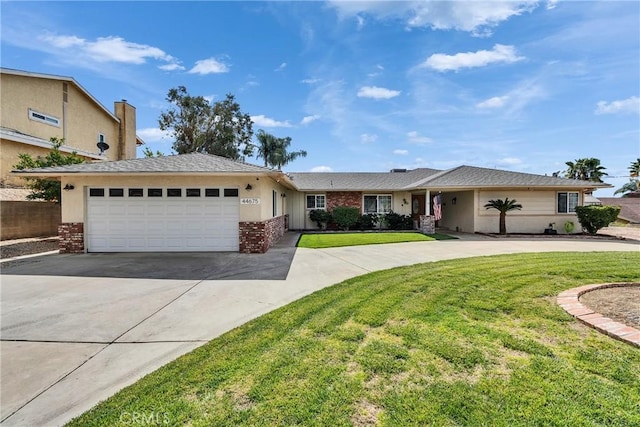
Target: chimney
(127, 131)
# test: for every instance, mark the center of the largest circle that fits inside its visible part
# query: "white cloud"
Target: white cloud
(401, 152)
(172, 67)
(361, 22)
(377, 92)
(629, 105)
(321, 169)
(153, 134)
(109, 49)
(551, 4)
(495, 102)
(267, 122)
(475, 17)
(209, 66)
(308, 119)
(499, 53)
(509, 161)
(367, 138)
(414, 137)
(281, 67)
(310, 81)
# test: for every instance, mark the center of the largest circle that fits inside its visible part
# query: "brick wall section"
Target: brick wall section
(71, 237)
(257, 237)
(344, 198)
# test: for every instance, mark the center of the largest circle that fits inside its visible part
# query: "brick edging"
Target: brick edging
(570, 301)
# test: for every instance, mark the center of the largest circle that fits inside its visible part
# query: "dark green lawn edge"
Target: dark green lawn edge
(341, 239)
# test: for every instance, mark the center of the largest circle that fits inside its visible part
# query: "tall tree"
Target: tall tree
(47, 189)
(199, 126)
(503, 206)
(634, 169)
(587, 169)
(274, 150)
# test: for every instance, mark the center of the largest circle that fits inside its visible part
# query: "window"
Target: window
(377, 204)
(116, 192)
(230, 192)
(193, 192)
(274, 196)
(174, 192)
(567, 202)
(101, 137)
(44, 118)
(154, 192)
(211, 192)
(316, 201)
(96, 192)
(136, 192)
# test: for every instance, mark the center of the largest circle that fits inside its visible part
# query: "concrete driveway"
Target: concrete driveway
(70, 341)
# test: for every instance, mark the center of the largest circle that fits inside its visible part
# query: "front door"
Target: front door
(417, 206)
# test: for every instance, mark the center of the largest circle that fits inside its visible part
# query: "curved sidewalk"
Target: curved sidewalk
(100, 334)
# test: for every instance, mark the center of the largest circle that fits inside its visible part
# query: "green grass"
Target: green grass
(470, 342)
(332, 240)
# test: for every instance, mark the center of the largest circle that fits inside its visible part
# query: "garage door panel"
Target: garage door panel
(144, 224)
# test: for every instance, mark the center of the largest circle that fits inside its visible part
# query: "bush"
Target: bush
(367, 222)
(593, 218)
(320, 217)
(397, 221)
(345, 217)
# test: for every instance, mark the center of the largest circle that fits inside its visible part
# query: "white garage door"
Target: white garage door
(162, 219)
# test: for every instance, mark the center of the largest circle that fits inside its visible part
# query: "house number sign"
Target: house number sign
(249, 201)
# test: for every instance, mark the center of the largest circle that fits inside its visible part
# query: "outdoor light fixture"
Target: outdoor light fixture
(283, 195)
(68, 187)
(454, 200)
(248, 187)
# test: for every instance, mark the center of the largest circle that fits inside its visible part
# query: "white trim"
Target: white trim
(47, 119)
(38, 142)
(315, 201)
(377, 196)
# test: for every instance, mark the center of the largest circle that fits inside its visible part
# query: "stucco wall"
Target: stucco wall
(458, 216)
(538, 211)
(81, 120)
(22, 219)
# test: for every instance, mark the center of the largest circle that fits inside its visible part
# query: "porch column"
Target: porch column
(427, 205)
(427, 221)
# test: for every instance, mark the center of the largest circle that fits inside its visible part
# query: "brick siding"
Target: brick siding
(344, 198)
(259, 236)
(71, 237)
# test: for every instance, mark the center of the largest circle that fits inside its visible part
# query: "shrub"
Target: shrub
(397, 221)
(320, 217)
(345, 216)
(367, 222)
(593, 218)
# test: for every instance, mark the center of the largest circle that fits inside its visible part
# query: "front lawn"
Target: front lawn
(477, 341)
(331, 240)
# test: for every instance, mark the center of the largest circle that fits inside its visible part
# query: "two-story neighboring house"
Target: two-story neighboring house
(35, 107)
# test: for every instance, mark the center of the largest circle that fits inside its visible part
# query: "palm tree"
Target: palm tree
(274, 150)
(267, 146)
(587, 169)
(634, 180)
(503, 206)
(635, 169)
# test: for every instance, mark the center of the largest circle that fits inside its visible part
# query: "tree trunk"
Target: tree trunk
(503, 223)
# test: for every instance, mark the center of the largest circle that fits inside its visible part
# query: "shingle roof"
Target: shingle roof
(630, 207)
(184, 163)
(471, 176)
(360, 181)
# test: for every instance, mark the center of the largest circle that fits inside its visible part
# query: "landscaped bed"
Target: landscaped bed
(476, 341)
(330, 240)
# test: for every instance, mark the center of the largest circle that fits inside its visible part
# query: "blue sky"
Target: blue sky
(366, 85)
